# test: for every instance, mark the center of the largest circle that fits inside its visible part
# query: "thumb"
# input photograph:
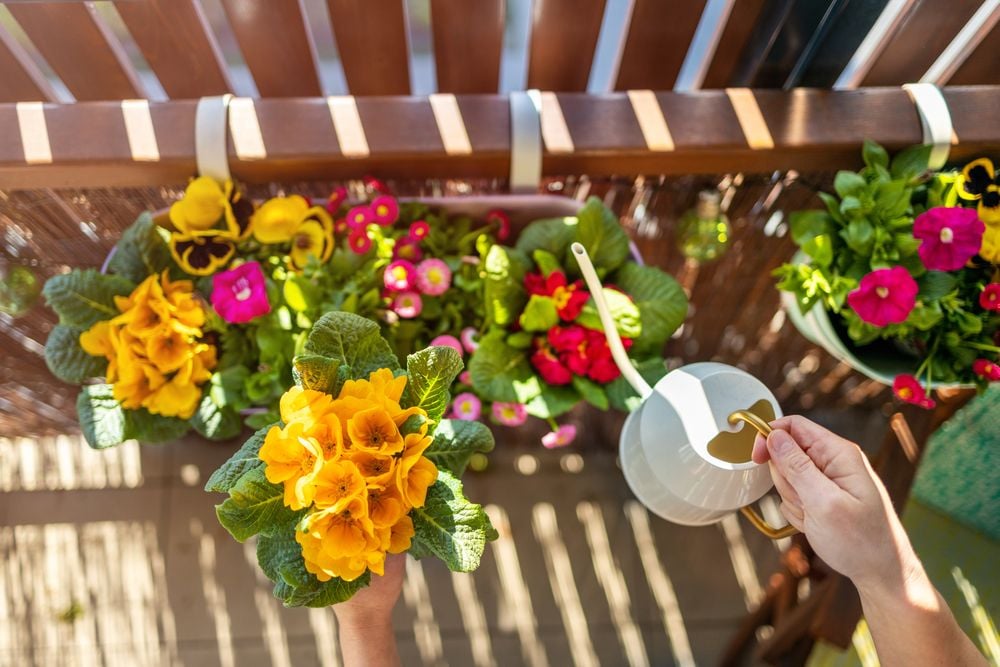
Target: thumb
(796, 467)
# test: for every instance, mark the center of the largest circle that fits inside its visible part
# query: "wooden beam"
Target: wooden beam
(563, 40)
(371, 38)
(20, 78)
(468, 41)
(712, 132)
(657, 43)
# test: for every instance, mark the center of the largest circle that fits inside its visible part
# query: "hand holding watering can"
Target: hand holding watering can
(684, 452)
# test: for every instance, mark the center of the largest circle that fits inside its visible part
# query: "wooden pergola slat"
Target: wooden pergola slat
(657, 43)
(277, 46)
(735, 36)
(371, 38)
(914, 46)
(563, 39)
(20, 79)
(468, 42)
(982, 66)
(80, 49)
(176, 41)
(806, 130)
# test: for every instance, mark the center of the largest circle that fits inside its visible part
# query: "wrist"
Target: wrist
(905, 582)
(363, 619)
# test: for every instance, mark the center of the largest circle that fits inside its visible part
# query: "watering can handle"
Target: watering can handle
(749, 512)
(618, 352)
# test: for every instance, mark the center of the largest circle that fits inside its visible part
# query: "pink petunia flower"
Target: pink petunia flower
(989, 298)
(465, 377)
(510, 414)
(560, 437)
(908, 389)
(336, 199)
(502, 220)
(448, 341)
(884, 296)
(419, 230)
(950, 237)
(469, 336)
(239, 295)
(360, 217)
(399, 276)
(407, 305)
(359, 241)
(467, 407)
(433, 277)
(385, 210)
(407, 248)
(986, 369)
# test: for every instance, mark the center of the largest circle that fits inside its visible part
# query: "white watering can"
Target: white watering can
(684, 452)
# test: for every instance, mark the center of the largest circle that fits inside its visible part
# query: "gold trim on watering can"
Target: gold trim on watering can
(749, 512)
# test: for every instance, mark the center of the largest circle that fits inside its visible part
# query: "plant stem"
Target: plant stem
(980, 346)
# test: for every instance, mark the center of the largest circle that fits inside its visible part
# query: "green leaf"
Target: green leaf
(848, 183)
(540, 314)
(806, 225)
(450, 527)
(67, 360)
(874, 154)
(455, 442)
(498, 370)
(661, 302)
(503, 288)
(546, 261)
(337, 590)
(620, 393)
(319, 373)
(624, 312)
(521, 340)
(601, 234)
(859, 235)
(554, 235)
(431, 372)
(910, 163)
(141, 252)
(84, 297)
(591, 392)
(820, 249)
(216, 422)
(148, 428)
(300, 293)
(246, 458)
(352, 340)
(255, 505)
(552, 402)
(936, 284)
(102, 418)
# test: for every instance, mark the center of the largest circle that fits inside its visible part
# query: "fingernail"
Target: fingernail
(780, 442)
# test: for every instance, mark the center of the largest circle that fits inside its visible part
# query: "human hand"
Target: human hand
(373, 604)
(830, 492)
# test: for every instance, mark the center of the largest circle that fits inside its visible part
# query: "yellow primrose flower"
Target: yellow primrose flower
(382, 389)
(294, 460)
(337, 481)
(303, 404)
(324, 566)
(99, 340)
(402, 535)
(313, 237)
(376, 468)
(168, 349)
(136, 384)
(415, 472)
(385, 506)
(374, 430)
(277, 220)
(344, 529)
(176, 398)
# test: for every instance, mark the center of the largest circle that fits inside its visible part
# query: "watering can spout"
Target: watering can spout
(618, 352)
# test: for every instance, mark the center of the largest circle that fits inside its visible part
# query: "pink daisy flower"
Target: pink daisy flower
(358, 241)
(502, 221)
(560, 437)
(419, 230)
(986, 369)
(908, 389)
(465, 377)
(884, 296)
(448, 341)
(433, 277)
(510, 414)
(385, 210)
(336, 199)
(469, 336)
(408, 248)
(359, 217)
(407, 305)
(989, 298)
(399, 276)
(467, 406)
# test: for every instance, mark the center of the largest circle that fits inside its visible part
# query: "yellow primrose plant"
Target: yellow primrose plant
(360, 465)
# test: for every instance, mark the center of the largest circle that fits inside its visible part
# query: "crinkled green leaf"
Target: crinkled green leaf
(455, 442)
(83, 297)
(141, 252)
(148, 428)
(503, 286)
(67, 360)
(216, 422)
(660, 300)
(431, 372)
(102, 418)
(245, 458)
(312, 371)
(498, 370)
(354, 341)
(601, 234)
(255, 505)
(624, 312)
(450, 527)
(591, 392)
(540, 314)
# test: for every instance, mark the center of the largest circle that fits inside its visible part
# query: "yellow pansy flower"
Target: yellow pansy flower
(294, 460)
(203, 205)
(990, 250)
(277, 219)
(312, 238)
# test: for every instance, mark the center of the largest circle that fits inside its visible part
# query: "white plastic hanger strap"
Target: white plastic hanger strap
(934, 118)
(525, 141)
(211, 137)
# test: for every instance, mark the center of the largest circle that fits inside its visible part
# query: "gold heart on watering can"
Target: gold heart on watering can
(737, 447)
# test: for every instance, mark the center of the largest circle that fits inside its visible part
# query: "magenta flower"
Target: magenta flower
(408, 248)
(950, 237)
(448, 341)
(560, 437)
(469, 336)
(359, 217)
(385, 210)
(502, 220)
(465, 377)
(376, 185)
(336, 199)
(419, 230)
(399, 276)
(359, 241)
(433, 277)
(467, 406)
(884, 296)
(989, 298)
(239, 295)
(407, 305)
(986, 369)
(510, 414)
(907, 388)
